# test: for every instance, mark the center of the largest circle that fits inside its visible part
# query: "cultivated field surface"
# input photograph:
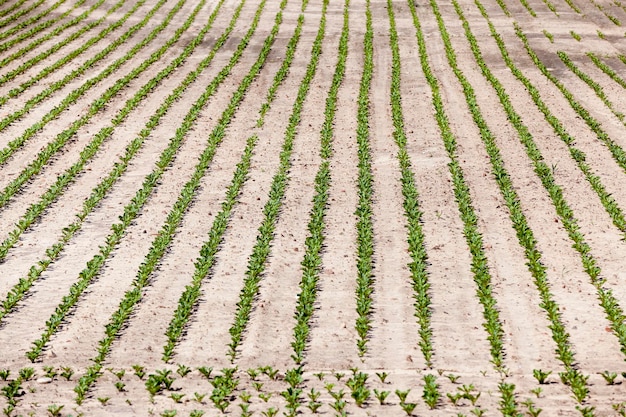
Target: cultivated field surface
(313, 207)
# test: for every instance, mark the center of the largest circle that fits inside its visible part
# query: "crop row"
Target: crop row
(618, 153)
(44, 25)
(314, 242)
(282, 72)
(94, 108)
(597, 88)
(27, 22)
(484, 292)
(101, 190)
(160, 244)
(13, 7)
(412, 212)
(609, 16)
(27, 64)
(131, 211)
(50, 150)
(480, 267)
(606, 69)
(523, 231)
(187, 302)
(265, 234)
(609, 203)
(365, 186)
(572, 376)
(609, 303)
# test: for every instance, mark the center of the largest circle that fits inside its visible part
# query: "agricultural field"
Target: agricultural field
(313, 207)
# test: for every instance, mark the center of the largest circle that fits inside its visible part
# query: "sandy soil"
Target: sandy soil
(393, 360)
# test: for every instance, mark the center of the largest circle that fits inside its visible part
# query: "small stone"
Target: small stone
(44, 380)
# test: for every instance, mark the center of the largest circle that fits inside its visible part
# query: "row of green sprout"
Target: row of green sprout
(33, 31)
(609, 303)
(208, 253)
(312, 261)
(257, 261)
(101, 190)
(165, 236)
(26, 64)
(35, 166)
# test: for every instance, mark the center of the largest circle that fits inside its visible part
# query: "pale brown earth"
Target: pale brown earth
(461, 351)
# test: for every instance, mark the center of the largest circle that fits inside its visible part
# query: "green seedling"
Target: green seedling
(183, 370)
(338, 395)
(104, 400)
(177, 397)
(4, 374)
(314, 406)
(67, 372)
(453, 378)
(206, 372)
(382, 376)
(265, 396)
(169, 413)
(319, 375)
(245, 410)
(454, 398)
(253, 373)
(338, 405)
(196, 413)
(549, 36)
(258, 386)
(12, 390)
(467, 393)
(381, 396)
(55, 410)
(199, 397)
(360, 395)
(537, 391)
(478, 411)
(541, 376)
(609, 377)
(620, 408)
(50, 371)
(294, 377)
(139, 371)
(270, 412)
(27, 374)
(314, 395)
(270, 372)
(245, 397)
(431, 393)
(119, 374)
(533, 411)
(587, 411)
(408, 407)
(402, 394)
(120, 386)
